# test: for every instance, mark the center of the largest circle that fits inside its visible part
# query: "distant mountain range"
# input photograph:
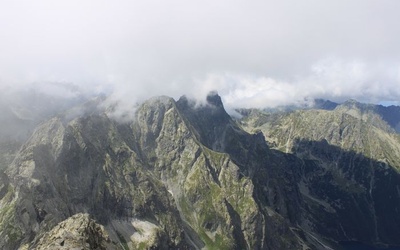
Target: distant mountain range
(183, 175)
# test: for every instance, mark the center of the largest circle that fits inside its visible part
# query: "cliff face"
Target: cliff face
(189, 177)
(348, 170)
(150, 183)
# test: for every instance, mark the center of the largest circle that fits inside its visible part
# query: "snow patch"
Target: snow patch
(133, 230)
(145, 230)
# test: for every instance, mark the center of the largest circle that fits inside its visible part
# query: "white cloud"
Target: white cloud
(331, 78)
(254, 53)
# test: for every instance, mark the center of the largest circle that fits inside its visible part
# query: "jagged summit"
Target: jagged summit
(187, 176)
(214, 99)
(324, 104)
(390, 115)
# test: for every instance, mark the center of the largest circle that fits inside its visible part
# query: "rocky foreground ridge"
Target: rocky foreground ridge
(183, 176)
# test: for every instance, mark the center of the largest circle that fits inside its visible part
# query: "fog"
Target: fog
(254, 53)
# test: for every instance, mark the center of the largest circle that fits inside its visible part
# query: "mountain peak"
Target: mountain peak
(325, 104)
(214, 99)
(186, 175)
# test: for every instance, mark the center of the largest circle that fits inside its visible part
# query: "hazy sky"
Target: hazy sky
(254, 53)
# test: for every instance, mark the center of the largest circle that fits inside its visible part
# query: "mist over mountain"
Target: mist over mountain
(113, 136)
(254, 54)
(184, 174)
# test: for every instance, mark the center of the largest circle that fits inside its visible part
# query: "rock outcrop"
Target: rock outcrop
(188, 176)
(348, 163)
(77, 232)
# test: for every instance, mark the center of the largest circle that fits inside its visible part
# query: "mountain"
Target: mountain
(350, 167)
(22, 111)
(188, 176)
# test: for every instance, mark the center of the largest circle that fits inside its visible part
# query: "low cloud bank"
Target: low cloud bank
(255, 54)
(331, 78)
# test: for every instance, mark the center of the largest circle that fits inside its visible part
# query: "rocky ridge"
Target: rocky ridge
(183, 176)
(349, 169)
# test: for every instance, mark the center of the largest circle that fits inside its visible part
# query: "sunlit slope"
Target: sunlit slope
(348, 127)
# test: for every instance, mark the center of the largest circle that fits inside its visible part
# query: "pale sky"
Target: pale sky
(254, 53)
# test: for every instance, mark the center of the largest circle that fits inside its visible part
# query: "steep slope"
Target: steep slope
(86, 165)
(77, 232)
(349, 126)
(151, 183)
(255, 162)
(187, 176)
(350, 160)
(22, 111)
